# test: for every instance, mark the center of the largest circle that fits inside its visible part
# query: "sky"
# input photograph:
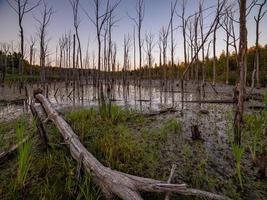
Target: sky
(157, 14)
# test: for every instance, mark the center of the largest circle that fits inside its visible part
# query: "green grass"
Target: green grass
(38, 174)
(113, 142)
(127, 141)
(24, 154)
(238, 152)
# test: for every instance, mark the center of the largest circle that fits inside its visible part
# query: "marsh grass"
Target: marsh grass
(127, 141)
(238, 152)
(24, 154)
(115, 140)
(254, 128)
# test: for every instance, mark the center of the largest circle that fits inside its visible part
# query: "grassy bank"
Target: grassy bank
(125, 140)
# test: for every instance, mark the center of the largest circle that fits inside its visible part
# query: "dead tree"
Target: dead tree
(126, 45)
(184, 26)
(149, 39)
(32, 44)
(218, 14)
(201, 26)
(173, 8)
(160, 49)
(6, 49)
(99, 21)
(134, 48)
(111, 22)
(240, 87)
(62, 44)
(138, 20)
(227, 27)
(164, 35)
(21, 7)
(191, 46)
(42, 34)
(257, 19)
(214, 52)
(76, 23)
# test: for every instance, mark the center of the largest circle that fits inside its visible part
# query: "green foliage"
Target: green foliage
(24, 154)
(172, 125)
(87, 190)
(238, 152)
(112, 140)
(254, 127)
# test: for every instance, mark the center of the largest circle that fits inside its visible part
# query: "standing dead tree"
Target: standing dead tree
(227, 26)
(184, 27)
(126, 61)
(32, 44)
(3, 69)
(173, 8)
(240, 87)
(99, 22)
(219, 12)
(164, 35)
(201, 26)
(160, 48)
(76, 23)
(149, 39)
(111, 22)
(257, 19)
(214, 51)
(138, 20)
(22, 7)
(42, 34)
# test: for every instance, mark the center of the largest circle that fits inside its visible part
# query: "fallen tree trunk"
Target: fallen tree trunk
(226, 101)
(114, 183)
(167, 110)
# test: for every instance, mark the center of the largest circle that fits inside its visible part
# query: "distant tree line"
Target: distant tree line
(9, 63)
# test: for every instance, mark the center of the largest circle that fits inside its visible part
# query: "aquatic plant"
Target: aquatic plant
(238, 152)
(86, 189)
(24, 154)
(173, 125)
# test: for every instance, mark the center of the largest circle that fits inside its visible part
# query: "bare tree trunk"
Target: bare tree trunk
(240, 88)
(257, 59)
(21, 7)
(214, 54)
(43, 22)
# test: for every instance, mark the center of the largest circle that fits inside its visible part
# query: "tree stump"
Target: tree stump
(195, 132)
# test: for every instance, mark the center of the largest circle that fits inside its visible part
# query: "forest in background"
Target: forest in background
(31, 73)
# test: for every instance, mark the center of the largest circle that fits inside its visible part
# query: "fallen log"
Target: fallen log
(40, 126)
(225, 101)
(167, 197)
(258, 107)
(114, 183)
(167, 110)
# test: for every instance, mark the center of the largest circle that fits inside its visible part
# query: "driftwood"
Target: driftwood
(40, 126)
(114, 183)
(225, 101)
(167, 197)
(167, 110)
(257, 107)
(214, 89)
(6, 154)
(196, 135)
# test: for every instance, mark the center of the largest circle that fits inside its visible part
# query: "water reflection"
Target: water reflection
(143, 98)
